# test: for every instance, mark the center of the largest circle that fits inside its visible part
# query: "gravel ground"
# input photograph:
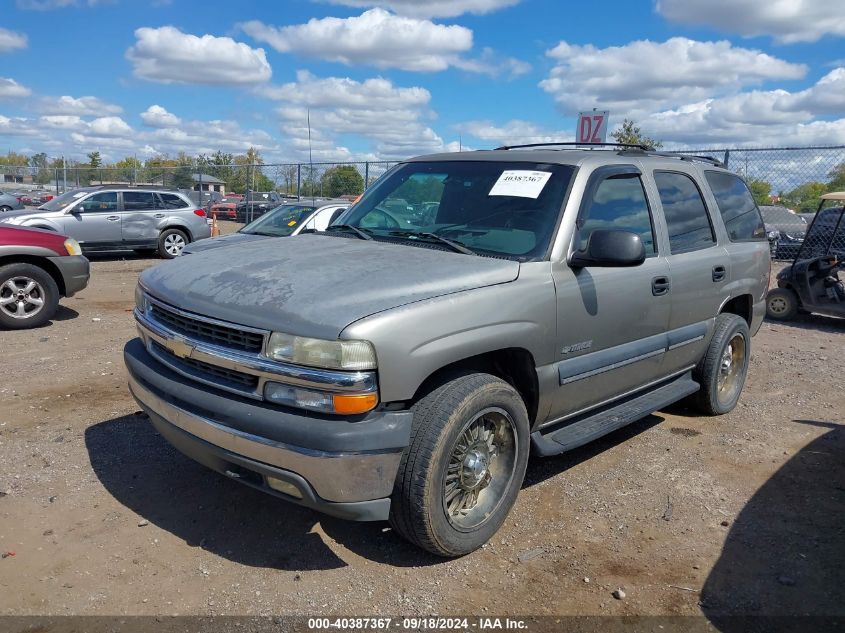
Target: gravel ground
(739, 514)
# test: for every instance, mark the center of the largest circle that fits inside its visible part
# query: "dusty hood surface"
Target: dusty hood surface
(218, 242)
(25, 212)
(317, 284)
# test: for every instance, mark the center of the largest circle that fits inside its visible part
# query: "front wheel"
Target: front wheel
(28, 296)
(171, 242)
(464, 467)
(5, 208)
(722, 371)
(781, 304)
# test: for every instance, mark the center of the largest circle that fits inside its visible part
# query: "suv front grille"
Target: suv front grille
(208, 332)
(206, 372)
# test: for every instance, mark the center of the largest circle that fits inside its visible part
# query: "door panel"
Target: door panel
(611, 322)
(142, 214)
(95, 221)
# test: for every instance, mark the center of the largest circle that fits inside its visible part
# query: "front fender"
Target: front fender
(414, 341)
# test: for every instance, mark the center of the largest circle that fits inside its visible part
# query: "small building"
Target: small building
(208, 183)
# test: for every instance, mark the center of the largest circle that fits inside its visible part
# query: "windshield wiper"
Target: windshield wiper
(455, 246)
(264, 233)
(353, 229)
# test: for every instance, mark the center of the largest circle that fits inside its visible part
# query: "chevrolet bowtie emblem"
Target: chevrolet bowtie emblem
(179, 347)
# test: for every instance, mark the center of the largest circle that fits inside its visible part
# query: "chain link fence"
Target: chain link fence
(787, 182)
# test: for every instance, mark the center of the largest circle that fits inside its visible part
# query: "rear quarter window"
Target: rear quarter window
(172, 201)
(737, 207)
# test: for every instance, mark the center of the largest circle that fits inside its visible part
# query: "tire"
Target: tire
(28, 296)
(722, 371)
(171, 242)
(5, 208)
(782, 304)
(452, 461)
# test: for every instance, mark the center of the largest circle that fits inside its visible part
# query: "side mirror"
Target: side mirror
(610, 248)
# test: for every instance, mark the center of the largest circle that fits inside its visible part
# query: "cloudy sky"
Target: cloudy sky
(394, 78)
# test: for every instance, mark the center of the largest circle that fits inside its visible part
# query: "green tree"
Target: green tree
(342, 180)
(805, 198)
(631, 134)
(761, 190)
(94, 160)
(44, 174)
(837, 178)
(13, 159)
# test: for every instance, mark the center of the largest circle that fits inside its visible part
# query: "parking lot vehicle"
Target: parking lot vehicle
(112, 218)
(9, 202)
(784, 229)
(375, 371)
(283, 221)
(37, 268)
(257, 203)
(812, 282)
(224, 210)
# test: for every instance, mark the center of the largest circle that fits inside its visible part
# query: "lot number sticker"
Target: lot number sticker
(520, 183)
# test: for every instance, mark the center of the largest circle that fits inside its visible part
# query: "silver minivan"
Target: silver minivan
(110, 218)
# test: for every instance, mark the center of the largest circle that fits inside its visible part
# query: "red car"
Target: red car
(224, 210)
(37, 267)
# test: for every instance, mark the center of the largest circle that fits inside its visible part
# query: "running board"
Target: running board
(593, 424)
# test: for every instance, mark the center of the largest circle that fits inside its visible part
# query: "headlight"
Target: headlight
(72, 247)
(351, 355)
(337, 403)
(140, 299)
(773, 235)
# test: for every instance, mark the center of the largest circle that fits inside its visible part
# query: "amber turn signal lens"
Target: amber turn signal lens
(355, 404)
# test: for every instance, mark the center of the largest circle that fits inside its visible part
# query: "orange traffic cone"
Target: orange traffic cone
(215, 229)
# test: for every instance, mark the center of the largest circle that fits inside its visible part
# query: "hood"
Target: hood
(23, 213)
(226, 240)
(316, 284)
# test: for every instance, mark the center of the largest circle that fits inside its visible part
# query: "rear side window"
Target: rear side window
(686, 216)
(138, 201)
(736, 204)
(618, 203)
(172, 201)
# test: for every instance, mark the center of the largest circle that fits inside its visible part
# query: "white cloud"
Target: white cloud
(787, 20)
(157, 116)
(643, 75)
(488, 63)
(393, 119)
(431, 8)
(168, 55)
(774, 117)
(62, 121)
(11, 89)
(82, 106)
(11, 40)
(513, 132)
(376, 38)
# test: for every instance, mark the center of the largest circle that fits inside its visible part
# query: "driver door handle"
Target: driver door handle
(113, 218)
(158, 215)
(660, 286)
(719, 273)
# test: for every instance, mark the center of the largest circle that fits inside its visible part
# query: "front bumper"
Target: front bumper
(75, 271)
(340, 467)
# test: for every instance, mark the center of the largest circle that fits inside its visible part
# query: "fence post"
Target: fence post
(57, 181)
(727, 156)
(298, 180)
(366, 175)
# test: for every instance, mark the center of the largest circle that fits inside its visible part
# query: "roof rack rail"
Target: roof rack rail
(575, 145)
(687, 157)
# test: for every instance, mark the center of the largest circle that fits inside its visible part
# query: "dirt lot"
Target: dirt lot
(737, 514)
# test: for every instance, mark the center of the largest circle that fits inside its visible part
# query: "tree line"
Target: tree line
(240, 172)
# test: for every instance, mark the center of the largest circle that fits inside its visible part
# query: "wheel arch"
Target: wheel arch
(514, 365)
(740, 305)
(45, 264)
(178, 227)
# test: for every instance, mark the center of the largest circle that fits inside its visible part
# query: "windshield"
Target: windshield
(64, 200)
(781, 215)
(826, 235)
(504, 209)
(281, 221)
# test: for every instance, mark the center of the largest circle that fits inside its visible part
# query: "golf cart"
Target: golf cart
(811, 283)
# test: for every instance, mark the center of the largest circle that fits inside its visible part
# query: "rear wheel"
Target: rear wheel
(5, 208)
(464, 467)
(722, 371)
(28, 296)
(171, 242)
(781, 304)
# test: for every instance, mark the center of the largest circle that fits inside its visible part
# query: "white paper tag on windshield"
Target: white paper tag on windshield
(521, 183)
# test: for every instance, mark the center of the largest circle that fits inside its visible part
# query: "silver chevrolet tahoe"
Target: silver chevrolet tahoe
(470, 309)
